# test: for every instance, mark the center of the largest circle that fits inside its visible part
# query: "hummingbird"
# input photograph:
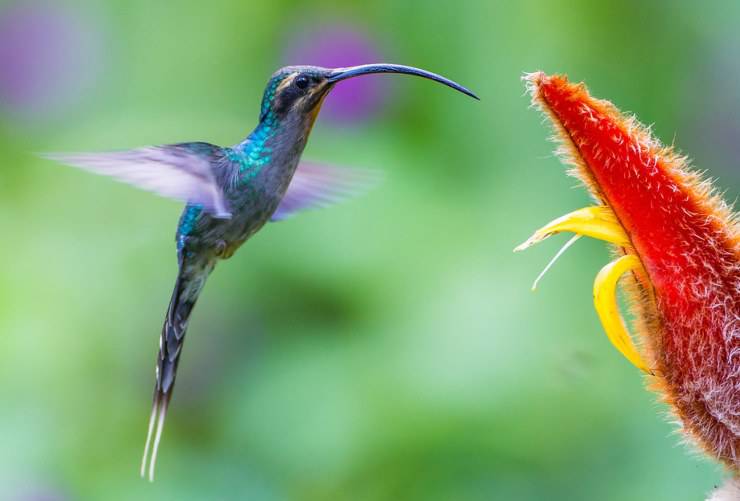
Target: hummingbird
(230, 193)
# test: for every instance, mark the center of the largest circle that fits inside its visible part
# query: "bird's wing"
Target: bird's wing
(180, 171)
(316, 185)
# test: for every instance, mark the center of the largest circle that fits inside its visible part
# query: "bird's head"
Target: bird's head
(300, 90)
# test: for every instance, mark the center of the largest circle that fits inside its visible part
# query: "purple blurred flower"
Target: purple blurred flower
(48, 57)
(338, 45)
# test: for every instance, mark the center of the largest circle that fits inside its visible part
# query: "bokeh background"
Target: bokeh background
(385, 349)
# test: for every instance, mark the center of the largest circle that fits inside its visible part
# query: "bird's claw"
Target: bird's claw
(220, 248)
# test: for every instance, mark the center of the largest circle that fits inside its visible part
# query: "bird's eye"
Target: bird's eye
(301, 82)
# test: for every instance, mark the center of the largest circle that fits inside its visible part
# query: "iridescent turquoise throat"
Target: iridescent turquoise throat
(253, 154)
(250, 155)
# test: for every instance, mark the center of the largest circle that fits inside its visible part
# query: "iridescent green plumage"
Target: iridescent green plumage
(231, 193)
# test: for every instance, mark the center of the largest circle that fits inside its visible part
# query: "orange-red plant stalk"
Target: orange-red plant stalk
(687, 240)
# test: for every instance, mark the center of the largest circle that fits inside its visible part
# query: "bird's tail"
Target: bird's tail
(190, 281)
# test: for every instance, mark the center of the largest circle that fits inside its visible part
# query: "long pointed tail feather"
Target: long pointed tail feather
(159, 412)
(189, 283)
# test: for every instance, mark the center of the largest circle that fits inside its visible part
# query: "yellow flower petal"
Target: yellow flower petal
(605, 302)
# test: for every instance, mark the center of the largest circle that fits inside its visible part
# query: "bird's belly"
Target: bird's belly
(225, 236)
(251, 206)
(238, 233)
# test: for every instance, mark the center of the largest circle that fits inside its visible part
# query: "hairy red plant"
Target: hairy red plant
(680, 244)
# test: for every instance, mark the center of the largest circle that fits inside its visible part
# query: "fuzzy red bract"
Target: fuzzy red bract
(689, 244)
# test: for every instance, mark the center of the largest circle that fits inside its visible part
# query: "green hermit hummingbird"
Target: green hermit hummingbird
(231, 192)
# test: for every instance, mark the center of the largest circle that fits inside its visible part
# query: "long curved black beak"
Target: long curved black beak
(367, 69)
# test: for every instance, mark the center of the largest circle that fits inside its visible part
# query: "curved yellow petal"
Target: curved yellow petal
(605, 301)
(597, 222)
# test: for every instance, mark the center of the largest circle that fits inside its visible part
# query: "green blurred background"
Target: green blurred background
(385, 349)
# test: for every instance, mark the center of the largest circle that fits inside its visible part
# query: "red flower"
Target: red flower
(682, 244)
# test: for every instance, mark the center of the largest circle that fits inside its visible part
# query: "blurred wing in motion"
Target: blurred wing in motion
(180, 171)
(317, 186)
